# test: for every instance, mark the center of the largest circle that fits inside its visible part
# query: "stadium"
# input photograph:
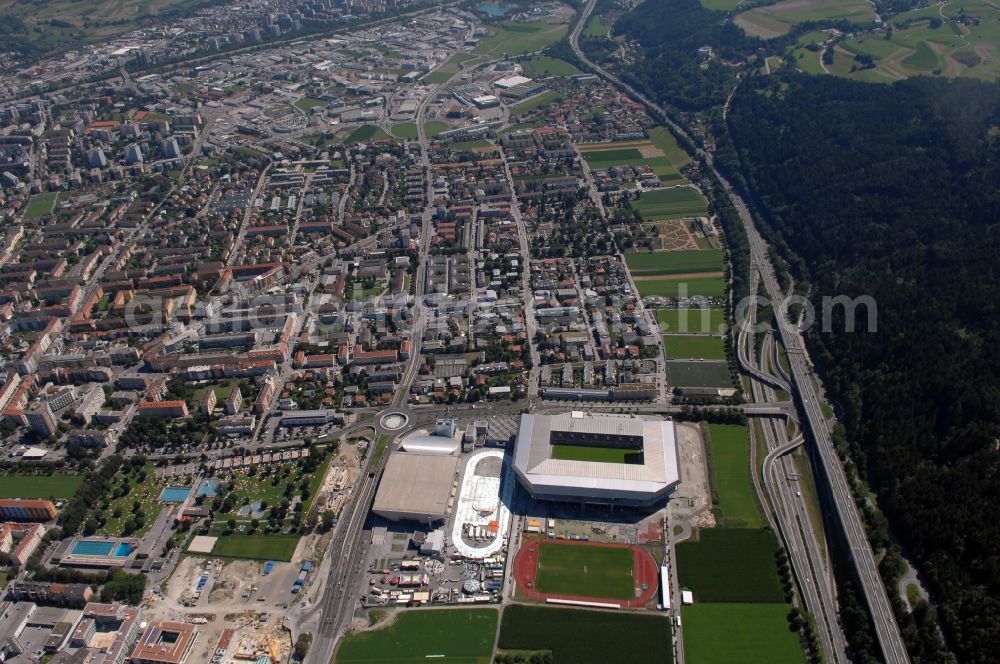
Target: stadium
(597, 458)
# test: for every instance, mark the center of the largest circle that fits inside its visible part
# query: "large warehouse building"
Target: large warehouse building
(416, 484)
(597, 458)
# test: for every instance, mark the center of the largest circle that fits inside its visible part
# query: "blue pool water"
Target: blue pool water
(92, 548)
(174, 494)
(209, 488)
(123, 550)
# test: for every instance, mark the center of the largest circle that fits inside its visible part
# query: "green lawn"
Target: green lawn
(675, 262)
(585, 570)
(752, 633)
(688, 373)
(547, 97)
(616, 157)
(438, 76)
(460, 636)
(578, 636)
(39, 486)
(132, 487)
(256, 547)
(694, 347)
(683, 287)
(435, 127)
(703, 321)
(603, 454)
(406, 130)
(367, 133)
(459, 146)
(672, 203)
(730, 450)
(595, 27)
(41, 205)
(543, 65)
(731, 565)
(514, 38)
(308, 103)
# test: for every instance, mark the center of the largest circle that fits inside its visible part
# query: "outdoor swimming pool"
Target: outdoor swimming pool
(174, 494)
(96, 548)
(124, 550)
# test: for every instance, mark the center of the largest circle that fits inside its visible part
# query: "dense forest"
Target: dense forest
(892, 191)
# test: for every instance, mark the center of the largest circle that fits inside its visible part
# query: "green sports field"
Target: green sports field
(405, 130)
(694, 373)
(40, 205)
(435, 127)
(698, 321)
(731, 565)
(694, 346)
(578, 636)
(671, 203)
(603, 454)
(675, 262)
(752, 633)
(682, 287)
(456, 636)
(38, 486)
(730, 448)
(586, 571)
(256, 547)
(367, 133)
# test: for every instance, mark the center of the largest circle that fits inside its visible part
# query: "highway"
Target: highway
(860, 551)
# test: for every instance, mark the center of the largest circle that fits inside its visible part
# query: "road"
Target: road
(860, 551)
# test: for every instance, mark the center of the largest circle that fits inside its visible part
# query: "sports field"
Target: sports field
(730, 449)
(753, 633)
(671, 203)
(587, 637)
(694, 346)
(40, 205)
(367, 133)
(601, 454)
(256, 547)
(405, 130)
(588, 571)
(677, 287)
(435, 127)
(39, 486)
(458, 636)
(731, 565)
(675, 262)
(697, 321)
(309, 103)
(515, 38)
(692, 373)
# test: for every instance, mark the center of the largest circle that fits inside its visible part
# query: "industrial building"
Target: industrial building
(417, 481)
(16, 509)
(551, 465)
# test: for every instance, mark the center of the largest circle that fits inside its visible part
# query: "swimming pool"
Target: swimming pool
(209, 487)
(96, 548)
(174, 494)
(124, 550)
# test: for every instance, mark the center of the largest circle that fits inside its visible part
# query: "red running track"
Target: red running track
(645, 568)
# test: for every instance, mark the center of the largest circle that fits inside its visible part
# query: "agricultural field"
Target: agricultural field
(753, 633)
(694, 347)
(677, 287)
(456, 636)
(596, 27)
(43, 487)
(514, 38)
(777, 19)
(587, 637)
(543, 65)
(407, 130)
(698, 321)
(367, 133)
(543, 99)
(599, 454)
(586, 571)
(694, 373)
(722, 5)
(731, 565)
(729, 445)
(256, 547)
(40, 205)
(670, 203)
(659, 152)
(675, 262)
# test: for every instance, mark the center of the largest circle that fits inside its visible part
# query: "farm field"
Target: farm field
(776, 20)
(586, 571)
(671, 203)
(600, 454)
(693, 346)
(731, 565)
(675, 287)
(513, 38)
(659, 152)
(456, 636)
(698, 321)
(587, 637)
(675, 262)
(406, 130)
(367, 133)
(39, 486)
(692, 373)
(256, 547)
(722, 5)
(543, 65)
(753, 633)
(730, 454)
(40, 205)
(596, 27)
(530, 103)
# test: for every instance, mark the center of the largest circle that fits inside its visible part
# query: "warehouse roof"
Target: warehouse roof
(415, 485)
